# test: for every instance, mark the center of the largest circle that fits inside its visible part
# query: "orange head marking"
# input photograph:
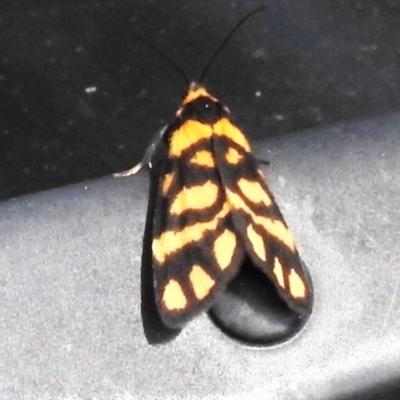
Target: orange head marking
(195, 91)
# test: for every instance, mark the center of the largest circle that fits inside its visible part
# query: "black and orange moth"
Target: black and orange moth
(213, 210)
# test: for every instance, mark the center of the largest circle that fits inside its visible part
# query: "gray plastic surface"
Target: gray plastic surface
(70, 323)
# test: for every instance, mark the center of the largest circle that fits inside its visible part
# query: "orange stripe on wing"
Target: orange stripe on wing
(254, 191)
(203, 158)
(195, 198)
(190, 133)
(173, 297)
(278, 272)
(224, 247)
(166, 183)
(272, 226)
(257, 242)
(202, 283)
(298, 288)
(224, 127)
(171, 241)
(233, 157)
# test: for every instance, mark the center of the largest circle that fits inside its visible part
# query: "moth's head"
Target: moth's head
(196, 91)
(198, 104)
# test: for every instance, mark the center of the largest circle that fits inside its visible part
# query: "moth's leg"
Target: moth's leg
(146, 160)
(263, 162)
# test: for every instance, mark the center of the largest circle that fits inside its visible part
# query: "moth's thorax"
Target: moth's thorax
(199, 105)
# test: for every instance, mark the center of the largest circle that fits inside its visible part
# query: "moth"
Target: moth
(214, 210)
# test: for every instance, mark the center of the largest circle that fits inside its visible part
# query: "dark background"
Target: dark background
(297, 65)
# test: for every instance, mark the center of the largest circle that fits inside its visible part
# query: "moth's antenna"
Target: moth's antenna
(162, 55)
(225, 41)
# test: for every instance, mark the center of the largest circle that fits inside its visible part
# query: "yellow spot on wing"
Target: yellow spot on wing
(254, 191)
(166, 183)
(224, 127)
(203, 158)
(173, 297)
(223, 249)
(278, 272)
(195, 198)
(233, 157)
(257, 242)
(272, 226)
(173, 240)
(297, 286)
(201, 282)
(188, 135)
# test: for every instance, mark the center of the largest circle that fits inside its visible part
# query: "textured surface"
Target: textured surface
(70, 324)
